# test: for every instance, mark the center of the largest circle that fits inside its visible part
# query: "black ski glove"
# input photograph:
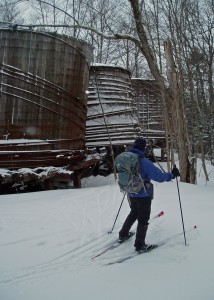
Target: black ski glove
(175, 172)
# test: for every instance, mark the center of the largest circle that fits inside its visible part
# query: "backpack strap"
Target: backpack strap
(139, 156)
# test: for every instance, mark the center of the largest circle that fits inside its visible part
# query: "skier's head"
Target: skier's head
(140, 144)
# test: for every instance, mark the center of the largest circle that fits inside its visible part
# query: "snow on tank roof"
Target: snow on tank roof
(109, 66)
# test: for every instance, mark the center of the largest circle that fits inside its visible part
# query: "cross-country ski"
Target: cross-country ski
(114, 245)
(152, 247)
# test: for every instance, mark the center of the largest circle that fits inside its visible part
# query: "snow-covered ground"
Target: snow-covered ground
(47, 240)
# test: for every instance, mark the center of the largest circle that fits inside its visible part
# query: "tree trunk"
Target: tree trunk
(172, 99)
(178, 115)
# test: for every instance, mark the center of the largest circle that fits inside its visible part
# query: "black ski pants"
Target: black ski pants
(140, 211)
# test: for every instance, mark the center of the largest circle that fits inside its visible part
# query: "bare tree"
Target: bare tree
(191, 34)
(10, 13)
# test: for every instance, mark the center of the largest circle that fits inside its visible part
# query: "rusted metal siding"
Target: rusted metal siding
(43, 80)
(110, 107)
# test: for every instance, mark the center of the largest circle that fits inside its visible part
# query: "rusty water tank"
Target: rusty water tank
(111, 114)
(43, 79)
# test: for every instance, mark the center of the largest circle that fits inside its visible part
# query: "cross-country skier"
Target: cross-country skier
(140, 203)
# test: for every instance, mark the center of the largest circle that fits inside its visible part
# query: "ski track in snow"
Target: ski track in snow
(81, 254)
(74, 252)
(77, 259)
(72, 259)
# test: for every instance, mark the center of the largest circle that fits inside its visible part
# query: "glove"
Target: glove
(175, 172)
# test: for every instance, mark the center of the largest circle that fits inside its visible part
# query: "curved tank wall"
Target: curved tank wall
(149, 109)
(43, 79)
(111, 113)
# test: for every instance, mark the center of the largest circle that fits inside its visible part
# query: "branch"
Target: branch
(114, 36)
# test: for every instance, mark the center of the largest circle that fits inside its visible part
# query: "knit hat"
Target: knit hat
(140, 144)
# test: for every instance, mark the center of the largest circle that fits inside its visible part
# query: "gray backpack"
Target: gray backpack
(129, 176)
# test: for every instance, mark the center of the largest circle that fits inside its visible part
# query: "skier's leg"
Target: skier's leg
(131, 218)
(143, 216)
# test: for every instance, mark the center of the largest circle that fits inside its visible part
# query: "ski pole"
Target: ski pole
(110, 232)
(181, 211)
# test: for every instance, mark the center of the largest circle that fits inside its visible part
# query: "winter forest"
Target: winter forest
(170, 41)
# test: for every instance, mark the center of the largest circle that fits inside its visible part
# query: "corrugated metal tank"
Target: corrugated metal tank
(43, 79)
(111, 115)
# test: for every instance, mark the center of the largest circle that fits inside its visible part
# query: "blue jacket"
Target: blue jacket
(149, 172)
